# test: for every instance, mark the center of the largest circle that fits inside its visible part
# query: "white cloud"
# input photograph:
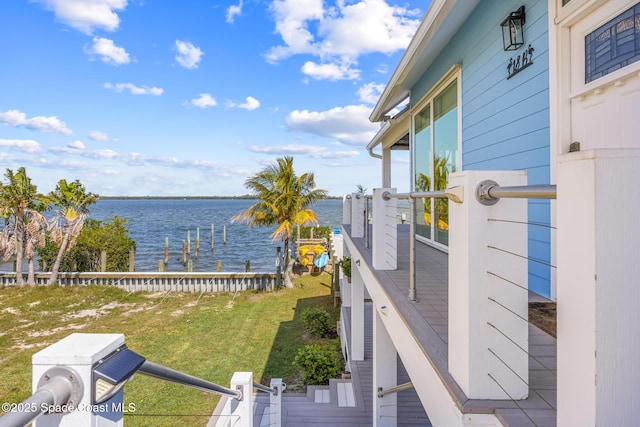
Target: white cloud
(250, 104)
(87, 15)
(307, 150)
(344, 32)
(100, 136)
(233, 11)
(368, 26)
(40, 123)
(292, 19)
(205, 100)
(188, 55)
(370, 92)
(350, 124)
(109, 53)
(332, 71)
(26, 145)
(135, 90)
(101, 154)
(75, 147)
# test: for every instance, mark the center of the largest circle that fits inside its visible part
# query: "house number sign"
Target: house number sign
(520, 62)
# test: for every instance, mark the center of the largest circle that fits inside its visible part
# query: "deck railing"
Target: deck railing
(482, 329)
(80, 382)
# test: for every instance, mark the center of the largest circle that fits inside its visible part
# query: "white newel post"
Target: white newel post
(357, 312)
(357, 215)
(384, 246)
(275, 402)
(598, 290)
(80, 352)
(482, 301)
(385, 376)
(346, 209)
(242, 409)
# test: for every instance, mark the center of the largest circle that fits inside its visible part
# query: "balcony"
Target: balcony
(457, 321)
(427, 320)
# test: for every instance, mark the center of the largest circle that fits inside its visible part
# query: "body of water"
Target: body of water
(150, 221)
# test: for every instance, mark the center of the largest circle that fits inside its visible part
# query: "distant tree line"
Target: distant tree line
(58, 240)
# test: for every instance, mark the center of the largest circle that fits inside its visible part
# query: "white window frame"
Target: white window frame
(454, 73)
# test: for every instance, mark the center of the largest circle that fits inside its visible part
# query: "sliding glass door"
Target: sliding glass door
(435, 157)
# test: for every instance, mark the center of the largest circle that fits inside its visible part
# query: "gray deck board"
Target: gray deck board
(428, 320)
(300, 409)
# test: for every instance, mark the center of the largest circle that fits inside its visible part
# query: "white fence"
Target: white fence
(160, 282)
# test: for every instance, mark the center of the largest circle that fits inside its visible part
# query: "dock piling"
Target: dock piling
(166, 250)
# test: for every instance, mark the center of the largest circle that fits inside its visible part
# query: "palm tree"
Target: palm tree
(35, 237)
(284, 201)
(72, 201)
(18, 199)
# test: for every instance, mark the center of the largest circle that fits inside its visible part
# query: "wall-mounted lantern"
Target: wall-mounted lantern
(512, 29)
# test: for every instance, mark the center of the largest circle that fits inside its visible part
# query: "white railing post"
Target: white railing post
(598, 292)
(357, 215)
(357, 311)
(275, 402)
(80, 352)
(346, 209)
(385, 376)
(242, 409)
(488, 314)
(384, 246)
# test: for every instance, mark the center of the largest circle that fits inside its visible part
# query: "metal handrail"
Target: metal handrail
(38, 402)
(489, 192)
(59, 389)
(441, 194)
(396, 389)
(162, 372)
(266, 389)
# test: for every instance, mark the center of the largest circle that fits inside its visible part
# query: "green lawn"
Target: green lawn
(209, 336)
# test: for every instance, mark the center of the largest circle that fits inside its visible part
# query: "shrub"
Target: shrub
(317, 322)
(345, 263)
(319, 364)
(96, 236)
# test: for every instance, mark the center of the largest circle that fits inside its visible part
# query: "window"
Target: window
(435, 157)
(613, 45)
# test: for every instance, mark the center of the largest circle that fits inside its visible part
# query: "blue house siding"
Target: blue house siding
(505, 123)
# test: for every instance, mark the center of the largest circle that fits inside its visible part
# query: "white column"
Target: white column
(385, 375)
(357, 215)
(242, 409)
(346, 209)
(598, 290)
(482, 296)
(384, 242)
(357, 312)
(386, 168)
(80, 352)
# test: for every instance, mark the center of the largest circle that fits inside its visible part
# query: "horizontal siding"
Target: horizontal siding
(505, 123)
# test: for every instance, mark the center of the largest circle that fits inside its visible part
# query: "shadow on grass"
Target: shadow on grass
(291, 336)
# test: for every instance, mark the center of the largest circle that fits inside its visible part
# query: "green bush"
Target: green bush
(317, 322)
(96, 236)
(319, 364)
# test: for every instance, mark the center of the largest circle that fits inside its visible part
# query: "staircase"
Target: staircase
(334, 405)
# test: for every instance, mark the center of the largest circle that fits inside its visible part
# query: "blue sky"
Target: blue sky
(173, 98)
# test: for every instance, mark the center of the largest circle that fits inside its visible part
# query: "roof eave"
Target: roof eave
(430, 38)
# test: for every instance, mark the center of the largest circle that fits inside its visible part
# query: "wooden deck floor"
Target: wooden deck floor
(300, 410)
(428, 319)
